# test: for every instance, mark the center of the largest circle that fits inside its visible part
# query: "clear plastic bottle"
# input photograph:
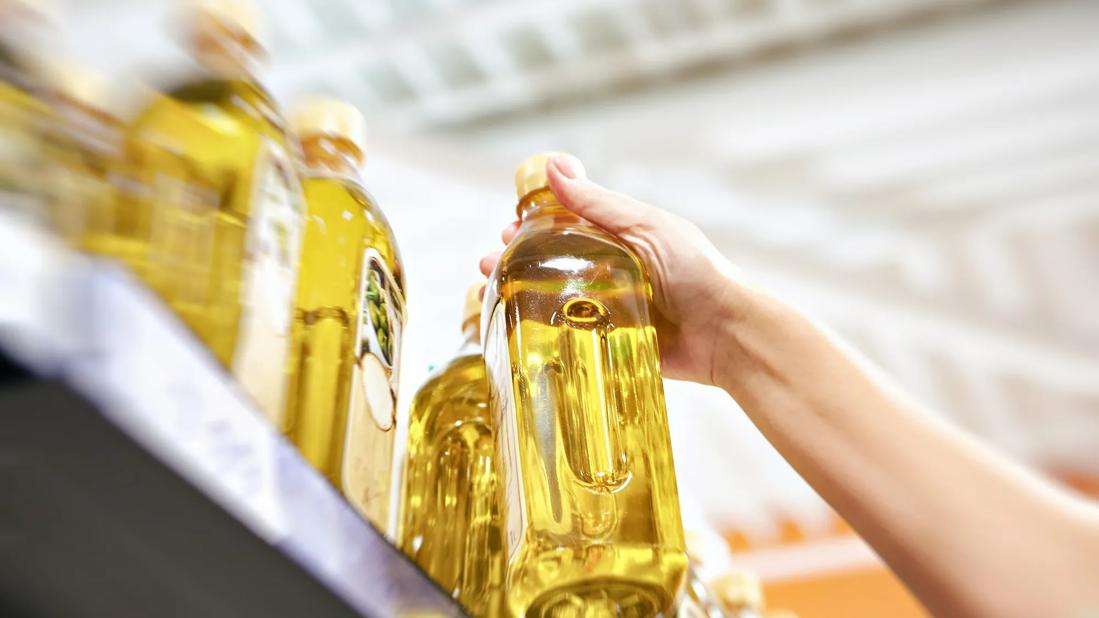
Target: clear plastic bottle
(592, 515)
(740, 594)
(450, 517)
(221, 127)
(348, 316)
(708, 554)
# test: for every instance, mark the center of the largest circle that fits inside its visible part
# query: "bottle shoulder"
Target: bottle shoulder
(544, 274)
(456, 393)
(381, 236)
(201, 88)
(567, 252)
(214, 107)
(577, 259)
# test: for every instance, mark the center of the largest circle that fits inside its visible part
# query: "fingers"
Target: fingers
(509, 232)
(489, 262)
(611, 211)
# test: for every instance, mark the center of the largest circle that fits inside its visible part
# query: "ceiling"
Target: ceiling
(921, 176)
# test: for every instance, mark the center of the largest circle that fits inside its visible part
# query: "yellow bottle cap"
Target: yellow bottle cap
(329, 116)
(531, 174)
(242, 16)
(472, 308)
(738, 590)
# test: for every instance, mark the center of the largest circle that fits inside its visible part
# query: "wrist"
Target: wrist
(741, 314)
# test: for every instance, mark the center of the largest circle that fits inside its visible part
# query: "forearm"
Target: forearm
(963, 527)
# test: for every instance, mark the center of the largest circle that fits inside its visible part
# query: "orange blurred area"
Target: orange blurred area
(865, 593)
(812, 585)
(1081, 481)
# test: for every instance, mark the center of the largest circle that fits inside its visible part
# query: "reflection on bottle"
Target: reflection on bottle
(586, 397)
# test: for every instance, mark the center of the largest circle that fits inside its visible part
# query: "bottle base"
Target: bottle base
(601, 598)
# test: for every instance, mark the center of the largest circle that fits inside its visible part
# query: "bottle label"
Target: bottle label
(268, 276)
(502, 402)
(372, 414)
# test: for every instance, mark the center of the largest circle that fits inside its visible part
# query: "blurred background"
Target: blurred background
(921, 175)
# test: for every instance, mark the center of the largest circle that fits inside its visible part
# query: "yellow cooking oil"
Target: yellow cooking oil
(348, 316)
(450, 517)
(221, 126)
(591, 508)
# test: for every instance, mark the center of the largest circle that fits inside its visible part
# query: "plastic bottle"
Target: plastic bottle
(740, 594)
(450, 515)
(592, 515)
(222, 127)
(348, 317)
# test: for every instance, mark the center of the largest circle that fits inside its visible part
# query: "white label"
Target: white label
(381, 320)
(372, 416)
(268, 276)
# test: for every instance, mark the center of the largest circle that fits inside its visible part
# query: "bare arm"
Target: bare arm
(970, 533)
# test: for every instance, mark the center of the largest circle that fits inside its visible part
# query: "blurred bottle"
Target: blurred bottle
(349, 315)
(172, 216)
(450, 515)
(224, 122)
(739, 593)
(23, 115)
(592, 512)
(86, 203)
(708, 554)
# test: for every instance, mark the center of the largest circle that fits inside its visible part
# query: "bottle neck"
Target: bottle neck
(541, 208)
(471, 337)
(226, 52)
(330, 155)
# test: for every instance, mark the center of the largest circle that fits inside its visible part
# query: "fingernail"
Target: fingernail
(569, 166)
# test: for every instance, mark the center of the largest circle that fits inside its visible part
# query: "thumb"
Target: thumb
(611, 211)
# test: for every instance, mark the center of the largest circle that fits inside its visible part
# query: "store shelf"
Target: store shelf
(138, 479)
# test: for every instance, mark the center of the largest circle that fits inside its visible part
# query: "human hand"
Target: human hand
(695, 288)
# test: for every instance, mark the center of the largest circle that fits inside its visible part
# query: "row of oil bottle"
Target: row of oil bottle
(202, 190)
(538, 478)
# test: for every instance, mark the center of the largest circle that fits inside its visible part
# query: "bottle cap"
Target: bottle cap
(329, 116)
(738, 590)
(242, 16)
(472, 308)
(531, 174)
